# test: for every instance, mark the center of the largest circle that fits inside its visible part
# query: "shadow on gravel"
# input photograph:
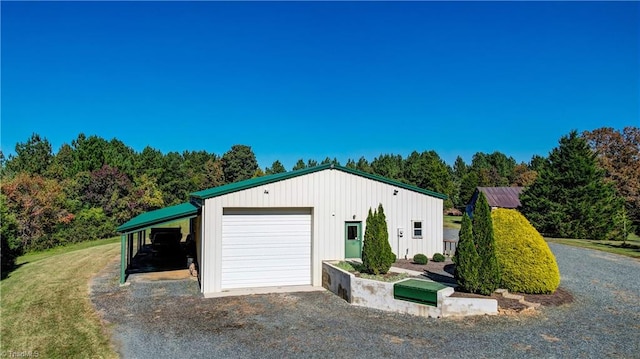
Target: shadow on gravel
(444, 277)
(440, 278)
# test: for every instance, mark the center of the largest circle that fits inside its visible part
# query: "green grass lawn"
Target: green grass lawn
(452, 222)
(45, 306)
(631, 250)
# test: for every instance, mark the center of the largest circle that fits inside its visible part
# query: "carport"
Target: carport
(134, 232)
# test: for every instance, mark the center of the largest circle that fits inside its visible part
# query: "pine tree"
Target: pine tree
(570, 197)
(466, 258)
(488, 271)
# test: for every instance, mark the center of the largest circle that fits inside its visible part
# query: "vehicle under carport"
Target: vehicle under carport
(150, 244)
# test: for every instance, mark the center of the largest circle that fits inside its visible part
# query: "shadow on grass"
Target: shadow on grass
(7, 273)
(629, 246)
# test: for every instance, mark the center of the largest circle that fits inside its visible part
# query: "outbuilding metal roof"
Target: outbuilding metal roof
(502, 197)
(258, 181)
(158, 216)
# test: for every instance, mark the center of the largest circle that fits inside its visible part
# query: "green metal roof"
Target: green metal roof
(259, 181)
(158, 216)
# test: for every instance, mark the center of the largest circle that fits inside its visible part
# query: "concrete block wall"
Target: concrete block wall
(379, 295)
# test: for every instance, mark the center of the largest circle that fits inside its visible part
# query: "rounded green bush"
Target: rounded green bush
(438, 257)
(526, 263)
(420, 259)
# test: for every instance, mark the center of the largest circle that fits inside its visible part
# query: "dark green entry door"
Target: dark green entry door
(353, 240)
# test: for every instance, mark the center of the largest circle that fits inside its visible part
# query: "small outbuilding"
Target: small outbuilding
(277, 230)
(497, 197)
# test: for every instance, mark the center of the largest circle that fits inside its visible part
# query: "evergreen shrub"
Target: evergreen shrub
(527, 265)
(466, 258)
(438, 257)
(484, 240)
(377, 256)
(420, 259)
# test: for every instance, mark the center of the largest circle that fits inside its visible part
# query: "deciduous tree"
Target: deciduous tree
(38, 206)
(618, 154)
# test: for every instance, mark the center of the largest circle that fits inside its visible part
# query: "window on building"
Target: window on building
(417, 229)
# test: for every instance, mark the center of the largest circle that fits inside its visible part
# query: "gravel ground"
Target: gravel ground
(169, 319)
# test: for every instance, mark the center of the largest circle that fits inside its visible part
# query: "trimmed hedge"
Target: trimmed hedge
(438, 257)
(526, 263)
(420, 259)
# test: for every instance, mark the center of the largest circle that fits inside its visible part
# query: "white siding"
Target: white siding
(334, 197)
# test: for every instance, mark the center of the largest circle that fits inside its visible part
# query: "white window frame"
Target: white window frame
(413, 229)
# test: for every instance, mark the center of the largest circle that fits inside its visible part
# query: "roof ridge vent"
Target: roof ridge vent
(331, 166)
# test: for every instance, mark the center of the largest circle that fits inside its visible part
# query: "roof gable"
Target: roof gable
(502, 197)
(259, 181)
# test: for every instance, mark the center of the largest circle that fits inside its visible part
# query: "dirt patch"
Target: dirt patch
(559, 297)
(431, 266)
(167, 275)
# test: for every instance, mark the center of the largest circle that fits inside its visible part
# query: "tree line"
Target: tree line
(90, 186)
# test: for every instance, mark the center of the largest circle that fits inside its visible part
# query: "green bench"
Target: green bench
(418, 291)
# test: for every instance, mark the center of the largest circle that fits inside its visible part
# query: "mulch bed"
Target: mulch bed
(443, 272)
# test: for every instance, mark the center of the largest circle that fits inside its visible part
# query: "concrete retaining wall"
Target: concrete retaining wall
(379, 295)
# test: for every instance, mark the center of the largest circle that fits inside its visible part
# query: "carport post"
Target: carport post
(123, 258)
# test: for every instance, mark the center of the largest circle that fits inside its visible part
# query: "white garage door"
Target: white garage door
(266, 248)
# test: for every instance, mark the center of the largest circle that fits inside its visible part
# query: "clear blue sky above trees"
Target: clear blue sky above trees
(316, 79)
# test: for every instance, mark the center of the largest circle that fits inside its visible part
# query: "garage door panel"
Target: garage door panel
(260, 250)
(274, 272)
(275, 282)
(262, 264)
(258, 253)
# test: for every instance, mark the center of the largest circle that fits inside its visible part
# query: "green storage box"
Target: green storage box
(418, 291)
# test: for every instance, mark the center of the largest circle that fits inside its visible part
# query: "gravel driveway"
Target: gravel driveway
(169, 319)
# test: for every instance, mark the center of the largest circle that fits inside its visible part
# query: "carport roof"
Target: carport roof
(158, 216)
(254, 182)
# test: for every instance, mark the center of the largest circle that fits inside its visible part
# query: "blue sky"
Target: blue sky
(316, 79)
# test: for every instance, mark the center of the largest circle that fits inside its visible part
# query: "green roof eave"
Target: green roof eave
(394, 182)
(259, 181)
(158, 216)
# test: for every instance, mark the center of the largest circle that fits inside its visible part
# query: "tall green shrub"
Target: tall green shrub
(571, 197)
(527, 265)
(389, 257)
(368, 250)
(466, 258)
(488, 271)
(376, 252)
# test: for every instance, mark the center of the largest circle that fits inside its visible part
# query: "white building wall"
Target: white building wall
(334, 197)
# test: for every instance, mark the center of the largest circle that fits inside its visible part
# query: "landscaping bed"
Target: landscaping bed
(443, 272)
(356, 268)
